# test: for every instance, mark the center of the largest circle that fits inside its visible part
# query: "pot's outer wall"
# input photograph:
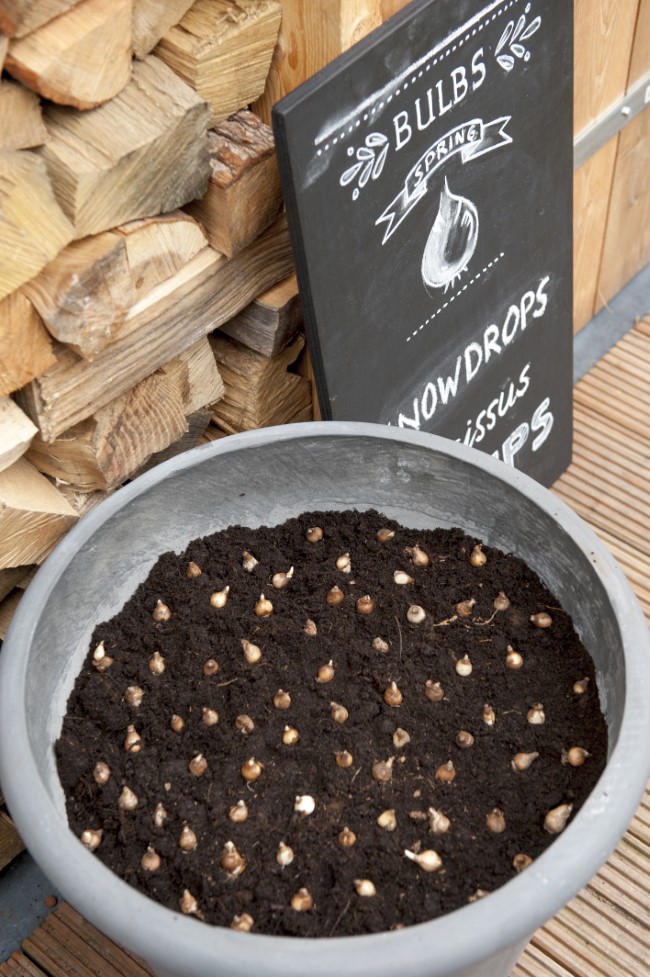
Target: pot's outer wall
(265, 477)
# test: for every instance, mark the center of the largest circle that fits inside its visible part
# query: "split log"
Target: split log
(269, 323)
(223, 49)
(25, 346)
(101, 452)
(196, 425)
(158, 247)
(81, 58)
(85, 293)
(33, 515)
(259, 391)
(21, 122)
(244, 195)
(212, 433)
(11, 578)
(196, 375)
(20, 17)
(16, 432)
(142, 153)
(4, 46)
(203, 295)
(10, 841)
(33, 228)
(152, 19)
(309, 39)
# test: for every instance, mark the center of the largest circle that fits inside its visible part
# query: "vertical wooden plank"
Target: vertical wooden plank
(640, 63)
(311, 35)
(604, 32)
(627, 238)
(390, 7)
(592, 185)
(604, 35)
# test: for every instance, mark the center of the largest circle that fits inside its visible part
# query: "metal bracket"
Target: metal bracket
(596, 135)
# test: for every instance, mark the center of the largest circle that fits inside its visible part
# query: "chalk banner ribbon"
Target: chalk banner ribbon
(470, 140)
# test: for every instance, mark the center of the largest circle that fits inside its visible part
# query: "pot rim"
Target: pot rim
(184, 945)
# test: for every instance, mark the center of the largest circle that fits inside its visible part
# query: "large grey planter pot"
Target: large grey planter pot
(264, 477)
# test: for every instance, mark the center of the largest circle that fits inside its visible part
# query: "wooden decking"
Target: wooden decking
(605, 930)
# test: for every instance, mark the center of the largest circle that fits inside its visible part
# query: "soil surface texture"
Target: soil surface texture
(359, 880)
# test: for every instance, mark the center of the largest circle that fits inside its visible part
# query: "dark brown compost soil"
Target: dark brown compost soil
(475, 859)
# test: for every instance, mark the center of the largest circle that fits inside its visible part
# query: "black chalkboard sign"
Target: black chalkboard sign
(428, 183)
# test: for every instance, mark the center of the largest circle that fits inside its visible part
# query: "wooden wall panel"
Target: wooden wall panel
(592, 185)
(604, 33)
(627, 238)
(312, 35)
(640, 63)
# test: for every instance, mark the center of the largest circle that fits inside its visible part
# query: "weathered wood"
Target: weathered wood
(207, 292)
(311, 35)
(33, 228)
(152, 19)
(18, 965)
(85, 293)
(8, 608)
(244, 195)
(126, 963)
(196, 376)
(158, 247)
(33, 515)
(142, 153)
(16, 432)
(269, 323)
(101, 452)
(10, 578)
(223, 49)
(259, 390)
(25, 346)
(81, 58)
(196, 425)
(21, 121)
(10, 841)
(4, 47)
(20, 17)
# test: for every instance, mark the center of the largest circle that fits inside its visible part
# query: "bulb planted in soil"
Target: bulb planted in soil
(161, 612)
(446, 772)
(159, 816)
(302, 900)
(514, 660)
(177, 723)
(193, 570)
(419, 558)
(101, 773)
(580, 687)
(187, 841)
(188, 903)
(501, 602)
(133, 696)
(382, 770)
(244, 724)
(439, 823)
(495, 821)
(477, 556)
(364, 888)
(344, 759)
(541, 620)
(252, 770)
(127, 801)
(314, 534)
(346, 838)
(489, 715)
(91, 839)
(428, 860)
(521, 862)
(238, 813)
(232, 860)
(415, 614)
(464, 740)
(556, 819)
(522, 761)
(464, 667)
(464, 607)
(379, 644)
(433, 691)
(284, 855)
(209, 717)
(387, 820)
(393, 696)
(400, 738)
(252, 652)
(156, 663)
(263, 607)
(210, 667)
(335, 596)
(132, 741)
(575, 757)
(536, 715)
(325, 673)
(365, 605)
(338, 713)
(281, 579)
(281, 699)
(242, 923)
(220, 597)
(304, 804)
(150, 861)
(290, 736)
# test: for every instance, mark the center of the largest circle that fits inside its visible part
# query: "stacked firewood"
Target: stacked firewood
(140, 211)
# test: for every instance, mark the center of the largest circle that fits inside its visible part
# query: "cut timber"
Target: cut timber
(16, 432)
(33, 228)
(85, 293)
(259, 391)
(33, 515)
(203, 295)
(10, 841)
(312, 35)
(21, 122)
(271, 321)
(196, 375)
(152, 19)
(9, 579)
(196, 425)
(244, 195)
(4, 46)
(103, 451)
(142, 153)
(25, 346)
(223, 49)
(158, 247)
(20, 17)
(81, 58)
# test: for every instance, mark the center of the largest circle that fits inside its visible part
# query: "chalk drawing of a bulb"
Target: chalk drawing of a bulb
(451, 241)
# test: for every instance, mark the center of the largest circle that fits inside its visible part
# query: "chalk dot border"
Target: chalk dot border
(456, 295)
(368, 116)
